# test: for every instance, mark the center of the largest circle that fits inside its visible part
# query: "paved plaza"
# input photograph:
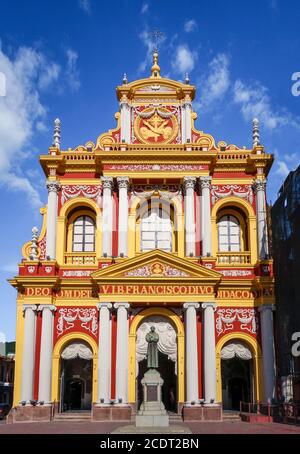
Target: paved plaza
(107, 428)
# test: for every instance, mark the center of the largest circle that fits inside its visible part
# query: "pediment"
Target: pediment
(157, 265)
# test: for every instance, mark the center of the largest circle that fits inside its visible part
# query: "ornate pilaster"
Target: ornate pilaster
(209, 353)
(122, 353)
(104, 355)
(205, 221)
(188, 121)
(189, 216)
(125, 121)
(107, 218)
(123, 183)
(191, 352)
(27, 374)
(261, 219)
(268, 350)
(53, 188)
(45, 372)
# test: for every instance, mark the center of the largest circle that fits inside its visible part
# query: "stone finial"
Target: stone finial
(34, 246)
(186, 79)
(255, 132)
(125, 80)
(56, 135)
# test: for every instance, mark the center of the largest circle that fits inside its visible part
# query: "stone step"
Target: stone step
(72, 417)
(231, 416)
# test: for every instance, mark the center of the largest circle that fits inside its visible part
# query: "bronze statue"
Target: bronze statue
(152, 353)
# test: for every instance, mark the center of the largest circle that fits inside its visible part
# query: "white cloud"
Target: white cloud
(190, 25)
(282, 169)
(184, 59)
(216, 82)
(148, 42)
(22, 114)
(255, 102)
(72, 73)
(85, 5)
(145, 8)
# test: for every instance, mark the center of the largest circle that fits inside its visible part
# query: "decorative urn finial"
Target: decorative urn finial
(56, 135)
(255, 132)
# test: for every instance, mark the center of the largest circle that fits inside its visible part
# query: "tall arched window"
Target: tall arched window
(229, 234)
(156, 230)
(83, 234)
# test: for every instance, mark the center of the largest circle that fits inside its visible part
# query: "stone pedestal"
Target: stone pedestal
(206, 412)
(30, 413)
(152, 412)
(111, 413)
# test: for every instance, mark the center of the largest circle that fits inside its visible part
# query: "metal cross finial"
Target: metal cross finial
(157, 35)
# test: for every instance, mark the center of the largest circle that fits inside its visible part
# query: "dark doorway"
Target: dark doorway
(237, 382)
(169, 388)
(76, 384)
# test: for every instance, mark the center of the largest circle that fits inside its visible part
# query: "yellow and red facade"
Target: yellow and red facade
(155, 155)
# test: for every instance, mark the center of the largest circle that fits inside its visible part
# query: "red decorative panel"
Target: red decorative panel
(156, 125)
(37, 355)
(237, 320)
(76, 319)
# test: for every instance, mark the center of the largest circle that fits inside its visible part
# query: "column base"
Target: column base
(204, 412)
(104, 412)
(30, 413)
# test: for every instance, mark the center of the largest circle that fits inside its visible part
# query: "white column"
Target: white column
(107, 216)
(205, 216)
(45, 372)
(189, 216)
(209, 353)
(53, 188)
(261, 219)
(104, 353)
(188, 122)
(268, 351)
(183, 130)
(125, 121)
(191, 352)
(28, 353)
(123, 183)
(122, 352)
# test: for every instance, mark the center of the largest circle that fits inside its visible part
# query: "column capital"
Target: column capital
(29, 306)
(209, 304)
(117, 305)
(104, 305)
(260, 185)
(53, 186)
(204, 182)
(267, 307)
(189, 182)
(194, 305)
(51, 307)
(107, 182)
(123, 182)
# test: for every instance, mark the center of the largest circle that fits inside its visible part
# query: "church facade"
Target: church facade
(154, 224)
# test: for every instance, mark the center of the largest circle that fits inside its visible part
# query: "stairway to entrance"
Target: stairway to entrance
(231, 416)
(73, 416)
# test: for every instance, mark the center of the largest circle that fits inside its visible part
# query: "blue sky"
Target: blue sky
(65, 58)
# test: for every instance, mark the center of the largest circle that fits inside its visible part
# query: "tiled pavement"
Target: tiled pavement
(106, 428)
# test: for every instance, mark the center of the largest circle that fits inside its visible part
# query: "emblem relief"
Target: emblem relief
(156, 125)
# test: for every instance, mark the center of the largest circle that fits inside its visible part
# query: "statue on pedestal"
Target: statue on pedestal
(152, 354)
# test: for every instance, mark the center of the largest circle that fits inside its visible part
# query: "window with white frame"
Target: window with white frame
(83, 234)
(156, 230)
(229, 234)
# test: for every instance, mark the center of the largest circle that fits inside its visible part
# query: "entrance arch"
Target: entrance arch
(237, 375)
(76, 377)
(256, 366)
(167, 352)
(132, 366)
(59, 347)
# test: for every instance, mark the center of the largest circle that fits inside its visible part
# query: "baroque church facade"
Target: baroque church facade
(154, 224)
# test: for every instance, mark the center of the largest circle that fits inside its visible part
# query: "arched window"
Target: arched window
(156, 230)
(229, 234)
(83, 234)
